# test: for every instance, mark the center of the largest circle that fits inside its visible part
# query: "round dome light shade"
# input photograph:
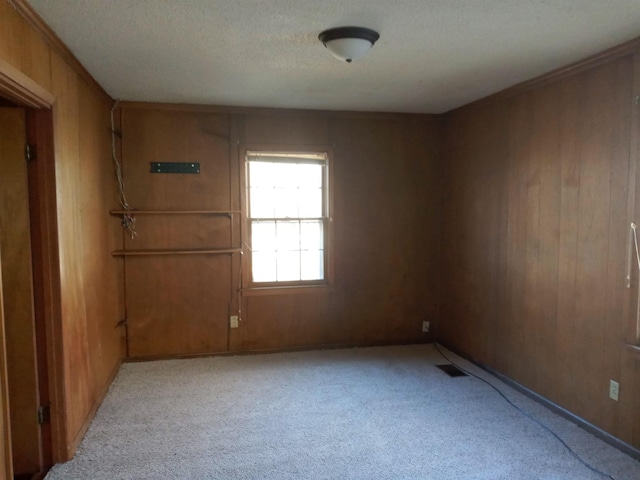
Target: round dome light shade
(349, 43)
(347, 49)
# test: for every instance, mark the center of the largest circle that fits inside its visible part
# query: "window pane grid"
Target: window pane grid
(287, 250)
(287, 214)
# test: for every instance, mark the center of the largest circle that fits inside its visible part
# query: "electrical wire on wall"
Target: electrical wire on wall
(529, 416)
(128, 221)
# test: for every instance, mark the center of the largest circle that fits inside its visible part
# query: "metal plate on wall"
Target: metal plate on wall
(175, 167)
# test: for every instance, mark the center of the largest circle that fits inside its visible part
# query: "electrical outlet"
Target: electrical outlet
(233, 321)
(614, 390)
(426, 326)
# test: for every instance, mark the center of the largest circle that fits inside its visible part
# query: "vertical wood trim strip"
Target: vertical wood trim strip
(236, 124)
(39, 285)
(41, 121)
(6, 472)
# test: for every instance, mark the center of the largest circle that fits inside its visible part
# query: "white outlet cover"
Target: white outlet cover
(614, 390)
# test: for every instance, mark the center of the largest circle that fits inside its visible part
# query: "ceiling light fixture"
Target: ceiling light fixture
(349, 43)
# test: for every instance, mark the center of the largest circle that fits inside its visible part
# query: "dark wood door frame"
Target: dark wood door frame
(38, 122)
(39, 105)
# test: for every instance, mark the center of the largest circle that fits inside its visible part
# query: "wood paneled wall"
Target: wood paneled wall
(512, 238)
(90, 279)
(386, 216)
(536, 233)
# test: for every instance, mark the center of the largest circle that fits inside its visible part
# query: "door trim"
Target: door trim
(42, 195)
(16, 86)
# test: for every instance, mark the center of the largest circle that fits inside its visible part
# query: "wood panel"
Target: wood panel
(6, 459)
(475, 188)
(386, 214)
(177, 304)
(286, 129)
(15, 245)
(90, 280)
(153, 136)
(188, 231)
(564, 149)
(22, 47)
(275, 323)
(84, 283)
(386, 219)
(565, 383)
(76, 368)
(96, 194)
(42, 206)
(630, 375)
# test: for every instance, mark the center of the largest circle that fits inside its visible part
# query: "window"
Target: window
(287, 217)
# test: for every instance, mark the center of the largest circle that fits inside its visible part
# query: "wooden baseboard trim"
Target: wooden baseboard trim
(73, 446)
(337, 346)
(555, 408)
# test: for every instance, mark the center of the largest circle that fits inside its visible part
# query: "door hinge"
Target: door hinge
(637, 99)
(44, 414)
(30, 152)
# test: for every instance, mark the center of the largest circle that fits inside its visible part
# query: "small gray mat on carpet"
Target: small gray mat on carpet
(364, 413)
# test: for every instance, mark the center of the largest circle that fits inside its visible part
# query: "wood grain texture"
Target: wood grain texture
(630, 374)
(46, 269)
(90, 279)
(23, 91)
(177, 305)
(15, 245)
(386, 214)
(154, 136)
(562, 171)
(22, 47)
(96, 194)
(34, 25)
(384, 247)
(6, 458)
(76, 368)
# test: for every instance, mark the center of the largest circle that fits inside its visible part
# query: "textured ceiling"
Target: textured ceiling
(432, 56)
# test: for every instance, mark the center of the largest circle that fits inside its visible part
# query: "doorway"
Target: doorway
(26, 404)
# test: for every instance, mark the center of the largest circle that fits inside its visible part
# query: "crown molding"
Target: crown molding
(628, 48)
(34, 20)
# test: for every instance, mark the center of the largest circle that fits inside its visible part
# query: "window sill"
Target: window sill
(288, 290)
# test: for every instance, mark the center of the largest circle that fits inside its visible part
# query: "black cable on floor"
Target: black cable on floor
(529, 416)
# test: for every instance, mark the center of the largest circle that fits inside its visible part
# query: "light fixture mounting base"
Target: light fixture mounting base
(349, 32)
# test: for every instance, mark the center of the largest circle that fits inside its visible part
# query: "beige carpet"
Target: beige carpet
(370, 413)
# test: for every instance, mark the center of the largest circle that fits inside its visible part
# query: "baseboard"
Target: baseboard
(554, 407)
(73, 446)
(258, 351)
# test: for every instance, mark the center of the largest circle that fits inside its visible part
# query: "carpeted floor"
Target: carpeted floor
(369, 413)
